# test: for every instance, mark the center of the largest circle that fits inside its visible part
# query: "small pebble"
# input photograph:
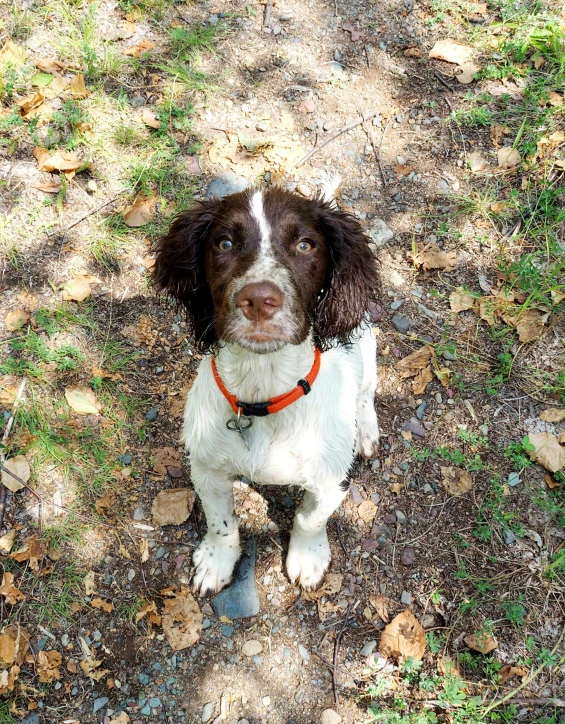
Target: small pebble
(99, 703)
(304, 652)
(138, 513)
(408, 556)
(509, 537)
(396, 305)
(368, 648)
(252, 647)
(406, 598)
(207, 712)
(513, 479)
(401, 323)
(266, 701)
(152, 413)
(227, 630)
(329, 716)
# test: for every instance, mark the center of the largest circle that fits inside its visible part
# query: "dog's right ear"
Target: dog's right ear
(179, 271)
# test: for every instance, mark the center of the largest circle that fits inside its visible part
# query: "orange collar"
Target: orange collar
(261, 409)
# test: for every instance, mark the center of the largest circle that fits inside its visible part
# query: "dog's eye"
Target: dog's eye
(225, 245)
(304, 246)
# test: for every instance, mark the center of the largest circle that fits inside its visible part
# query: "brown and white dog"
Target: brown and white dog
(267, 278)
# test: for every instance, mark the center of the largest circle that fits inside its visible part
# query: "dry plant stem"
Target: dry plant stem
(268, 12)
(527, 681)
(85, 216)
(3, 489)
(336, 654)
(537, 701)
(443, 81)
(349, 127)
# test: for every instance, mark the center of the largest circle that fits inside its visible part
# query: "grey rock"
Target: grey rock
(207, 712)
(509, 537)
(304, 652)
(397, 304)
(448, 355)
(356, 496)
(138, 513)
(438, 398)
(329, 716)
(443, 185)
(262, 126)
(31, 719)
(401, 323)
(427, 488)
(408, 556)
(252, 647)
(336, 69)
(240, 600)
(126, 459)
(227, 183)
(213, 19)
(415, 427)
(400, 517)
(368, 648)
(99, 703)
(428, 620)
(406, 598)
(151, 414)
(421, 409)
(513, 479)
(379, 233)
(131, 574)
(65, 639)
(227, 630)
(137, 101)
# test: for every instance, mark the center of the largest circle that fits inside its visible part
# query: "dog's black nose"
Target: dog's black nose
(259, 301)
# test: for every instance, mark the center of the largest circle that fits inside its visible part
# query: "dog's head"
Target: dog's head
(264, 268)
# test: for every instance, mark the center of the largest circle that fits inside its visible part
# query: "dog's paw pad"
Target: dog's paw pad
(214, 565)
(308, 560)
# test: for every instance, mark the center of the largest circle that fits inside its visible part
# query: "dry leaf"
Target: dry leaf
(483, 643)
(356, 35)
(456, 481)
(149, 608)
(88, 582)
(144, 550)
(451, 51)
(461, 300)
(432, 257)
(367, 511)
(8, 679)
(413, 52)
(552, 415)
(332, 585)
(557, 296)
(150, 119)
(14, 645)
(101, 603)
(78, 288)
(141, 211)
(49, 65)
(421, 381)
(476, 162)
(105, 503)
(136, 50)
(551, 484)
(529, 324)
(7, 541)
(12, 54)
(307, 106)
(396, 488)
(403, 636)
(52, 188)
(555, 99)
(123, 718)
(31, 551)
(47, 663)
(325, 609)
(548, 452)
(166, 457)
(11, 593)
(508, 157)
(19, 466)
(9, 387)
(63, 161)
(468, 72)
(415, 362)
(380, 604)
(497, 134)
(507, 672)
(561, 438)
(83, 400)
(90, 666)
(77, 86)
(182, 620)
(172, 507)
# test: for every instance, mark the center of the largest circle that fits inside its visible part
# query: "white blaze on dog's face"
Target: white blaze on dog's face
(265, 268)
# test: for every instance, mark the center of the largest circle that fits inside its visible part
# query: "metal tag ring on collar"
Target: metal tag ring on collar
(239, 423)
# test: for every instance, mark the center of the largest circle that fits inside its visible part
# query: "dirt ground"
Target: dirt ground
(452, 521)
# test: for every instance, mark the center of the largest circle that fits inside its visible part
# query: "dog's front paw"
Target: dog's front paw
(215, 561)
(308, 559)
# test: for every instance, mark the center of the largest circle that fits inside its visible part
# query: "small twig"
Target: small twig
(85, 216)
(338, 529)
(322, 658)
(349, 127)
(379, 152)
(3, 488)
(443, 81)
(268, 12)
(367, 56)
(336, 654)
(537, 701)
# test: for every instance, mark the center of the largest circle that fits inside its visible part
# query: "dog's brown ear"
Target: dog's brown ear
(179, 271)
(352, 282)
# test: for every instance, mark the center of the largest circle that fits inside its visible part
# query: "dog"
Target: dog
(276, 289)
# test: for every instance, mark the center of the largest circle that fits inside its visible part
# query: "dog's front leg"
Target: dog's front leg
(216, 556)
(309, 552)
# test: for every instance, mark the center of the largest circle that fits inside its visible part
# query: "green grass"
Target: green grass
(59, 591)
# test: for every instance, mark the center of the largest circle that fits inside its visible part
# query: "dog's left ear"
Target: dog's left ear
(352, 281)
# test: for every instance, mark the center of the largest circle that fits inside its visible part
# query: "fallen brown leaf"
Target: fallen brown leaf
(367, 511)
(105, 374)
(413, 52)
(166, 457)
(381, 605)
(83, 400)
(415, 362)
(547, 451)
(31, 551)
(144, 550)
(332, 584)
(52, 188)
(325, 609)
(461, 300)
(141, 211)
(122, 718)
(451, 51)
(136, 50)
(467, 73)
(552, 415)
(555, 99)
(7, 541)
(9, 590)
(30, 103)
(508, 157)
(149, 608)
(551, 484)
(102, 604)
(14, 645)
(18, 466)
(47, 664)
(88, 582)
(356, 35)
(150, 119)
(12, 54)
(9, 387)
(422, 380)
(507, 672)
(432, 257)
(182, 620)
(90, 668)
(77, 86)
(456, 481)
(529, 324)
(403, 637)
(172, 507)
(78, 288)
(481, 642)
(497, 134)
(476, 162)
(443, 374)
(63, 161)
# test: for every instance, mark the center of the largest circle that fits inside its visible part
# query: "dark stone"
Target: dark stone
(401, 323)
(376, 312)
(414, 426)
(240, 600)
(126, 459)
(408, 556)
(174, 472)
(227, 183)
(152, 413)
(421, 409)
